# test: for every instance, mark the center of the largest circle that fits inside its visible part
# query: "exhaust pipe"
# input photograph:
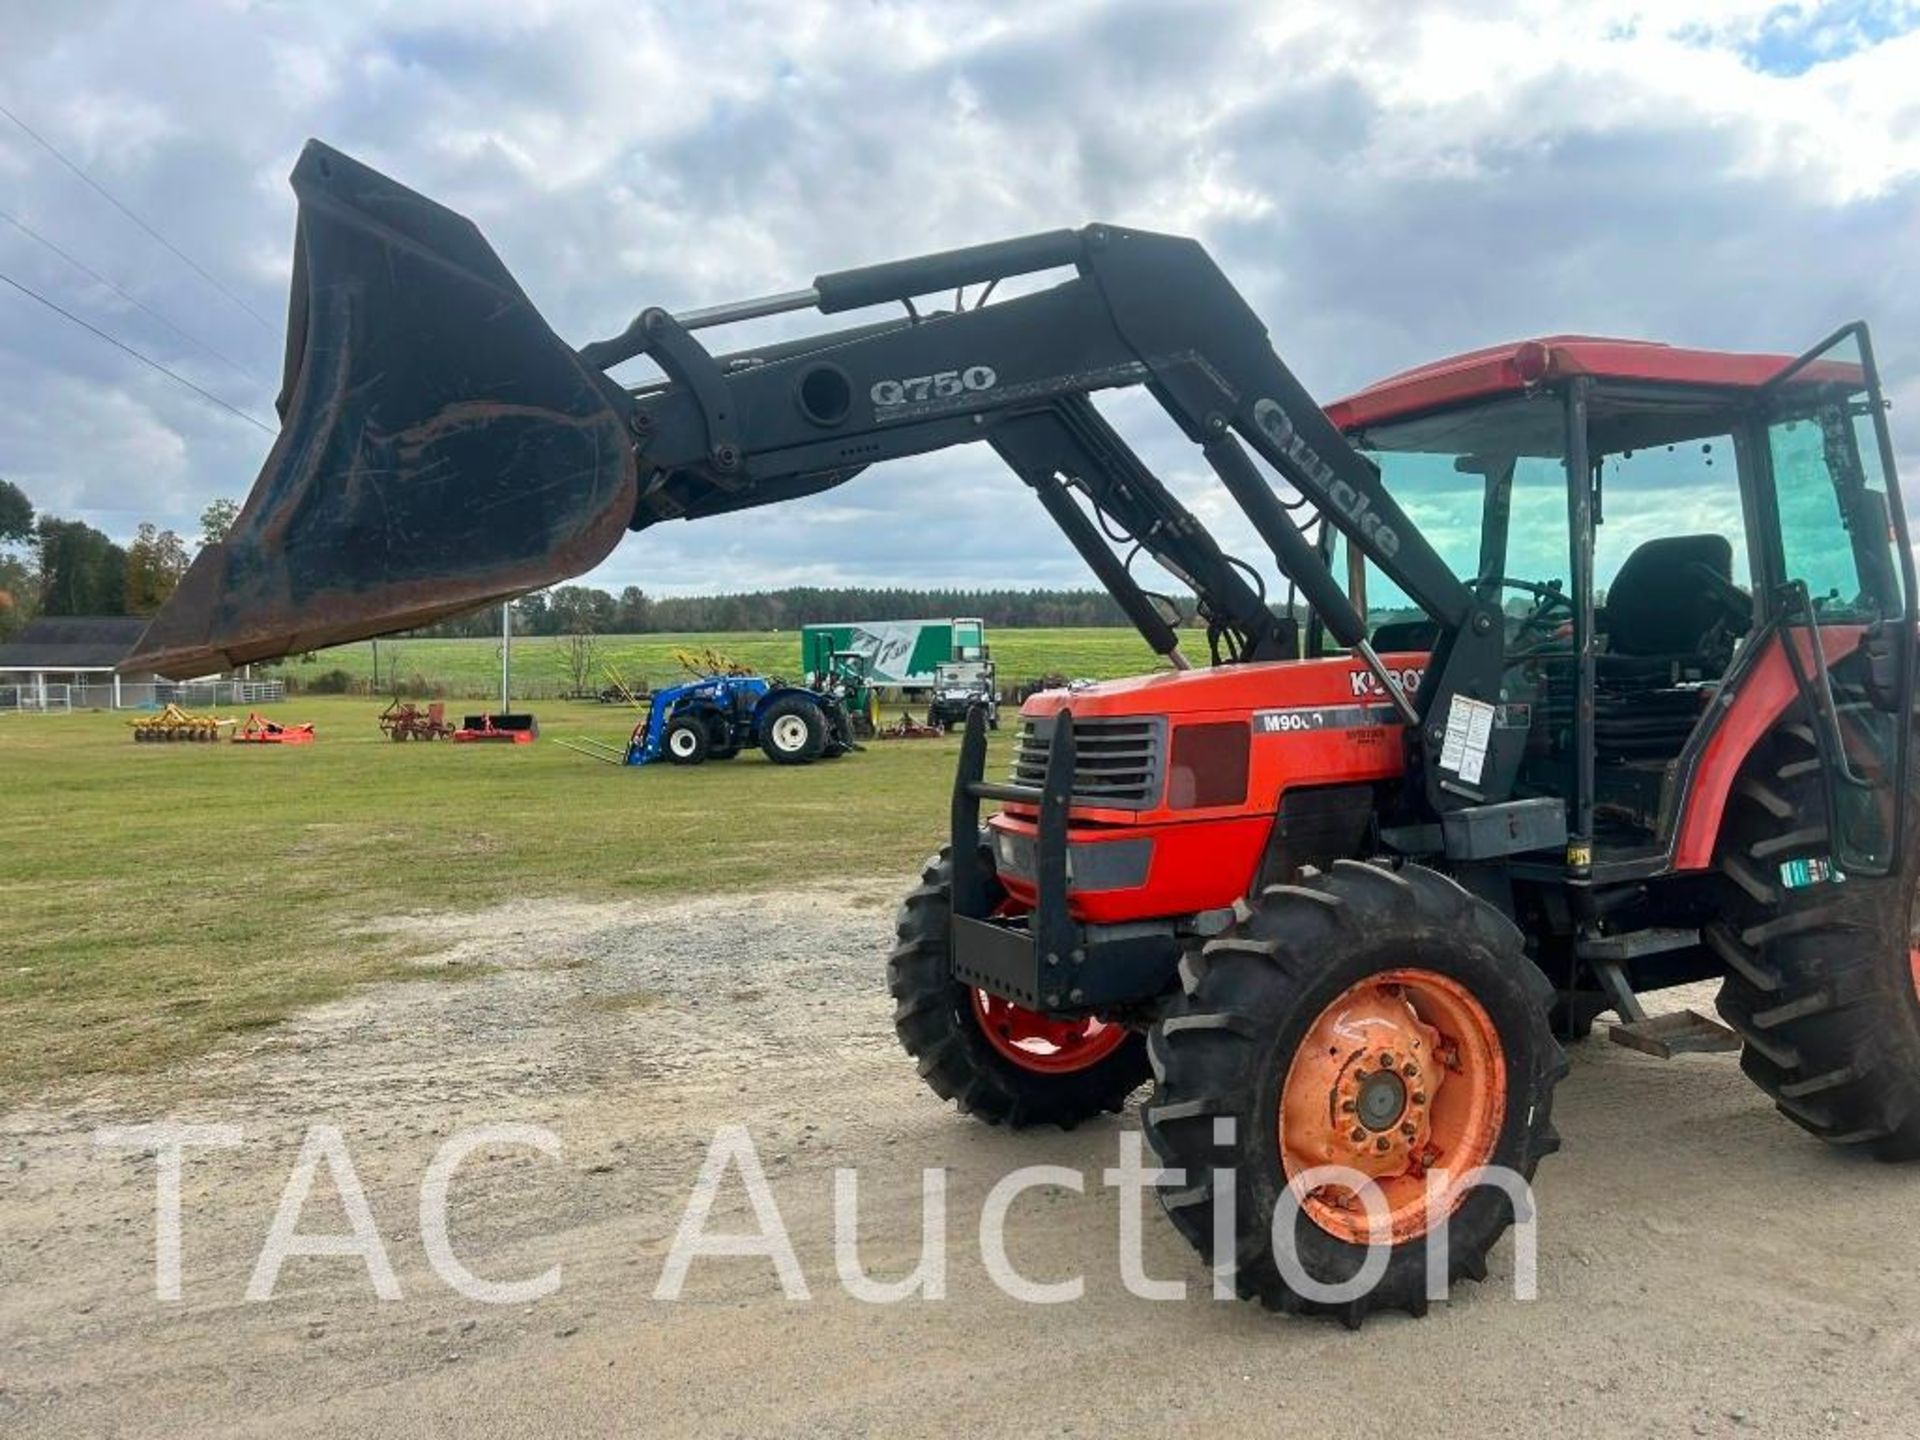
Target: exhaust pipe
(440, 447)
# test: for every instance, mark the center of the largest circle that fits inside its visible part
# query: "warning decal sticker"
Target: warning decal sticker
(1469, 731)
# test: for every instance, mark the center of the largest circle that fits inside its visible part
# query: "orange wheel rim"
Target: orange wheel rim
(1401, 1075)
(1045, 1044)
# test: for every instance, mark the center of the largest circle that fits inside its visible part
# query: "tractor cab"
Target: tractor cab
(1646, 517)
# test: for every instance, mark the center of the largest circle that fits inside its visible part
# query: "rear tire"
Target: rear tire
(1243, 1044)
(686, 741)
(940, 1025)
(839, 730)
(792, 731)
(1823, 980)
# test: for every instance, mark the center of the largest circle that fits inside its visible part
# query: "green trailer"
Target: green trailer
(901, 655)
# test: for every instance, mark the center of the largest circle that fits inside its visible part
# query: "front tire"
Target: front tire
(687, 740)
(1375, 1019)
(998, 1062)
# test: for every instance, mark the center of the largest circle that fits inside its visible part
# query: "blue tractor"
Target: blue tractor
(715, 717)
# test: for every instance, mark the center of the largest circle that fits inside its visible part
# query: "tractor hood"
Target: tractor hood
(1232, 689)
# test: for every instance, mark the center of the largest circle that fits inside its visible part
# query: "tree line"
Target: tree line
(53, 566)
(585, 609)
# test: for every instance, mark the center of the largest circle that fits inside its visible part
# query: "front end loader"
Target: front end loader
(1343, 891)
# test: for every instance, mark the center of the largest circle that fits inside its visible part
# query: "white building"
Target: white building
(72, 651)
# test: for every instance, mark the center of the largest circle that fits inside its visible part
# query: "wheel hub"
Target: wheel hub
(1403, 1073)
(1353, 1097)
(1382, 1100)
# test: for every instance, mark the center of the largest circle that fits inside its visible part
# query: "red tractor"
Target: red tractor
(1593, 675)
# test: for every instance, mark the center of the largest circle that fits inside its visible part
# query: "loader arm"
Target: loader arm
(474, 456)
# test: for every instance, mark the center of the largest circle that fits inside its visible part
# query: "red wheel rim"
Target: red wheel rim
(1402, 1074)
(1045, 1044)
(1913, 943)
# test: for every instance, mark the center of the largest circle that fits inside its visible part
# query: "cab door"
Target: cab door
(1844, 586)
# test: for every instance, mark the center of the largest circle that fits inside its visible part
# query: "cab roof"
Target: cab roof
(1523, 364)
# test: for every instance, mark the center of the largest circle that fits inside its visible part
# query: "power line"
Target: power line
(134, 300)
(108, 196)
(32, 294)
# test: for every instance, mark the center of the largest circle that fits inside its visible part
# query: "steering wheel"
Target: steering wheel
(1547, 599)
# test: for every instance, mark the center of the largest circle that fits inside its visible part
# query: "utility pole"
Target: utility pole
(506, 657)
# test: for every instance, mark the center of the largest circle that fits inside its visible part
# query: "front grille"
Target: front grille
(1118, 761)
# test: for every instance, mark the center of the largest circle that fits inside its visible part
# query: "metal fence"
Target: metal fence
(36, 699)
(105, 695)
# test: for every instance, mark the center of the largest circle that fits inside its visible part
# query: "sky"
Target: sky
(1386, 182)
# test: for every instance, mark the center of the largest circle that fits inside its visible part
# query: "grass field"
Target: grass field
(473, 666)
(163, 897)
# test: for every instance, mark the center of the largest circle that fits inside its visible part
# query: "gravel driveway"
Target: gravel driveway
(1704, 1267)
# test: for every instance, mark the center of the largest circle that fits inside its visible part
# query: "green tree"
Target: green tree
(19, 588)
(155, 561)
(572, 609)
(16, 514)
(217, 519)
(633, 612)
(82, 572)
(530, 614)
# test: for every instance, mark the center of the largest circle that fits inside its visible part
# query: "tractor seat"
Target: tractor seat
(1406, 636)
(1668, 630)
(1663, 610)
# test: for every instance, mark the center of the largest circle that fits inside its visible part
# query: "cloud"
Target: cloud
(1386, 184)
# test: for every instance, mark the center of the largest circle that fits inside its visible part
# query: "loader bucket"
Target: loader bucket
(440, 448)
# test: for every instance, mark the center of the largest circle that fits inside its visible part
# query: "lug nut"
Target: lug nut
(1383, 1144)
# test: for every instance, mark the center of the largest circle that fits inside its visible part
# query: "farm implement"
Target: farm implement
(1351, 884)
(404, 720)
(256, 729)
(910, 727)
(174, 724)
(497, 730)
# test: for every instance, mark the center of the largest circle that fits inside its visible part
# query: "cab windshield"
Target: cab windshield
(1487, 487)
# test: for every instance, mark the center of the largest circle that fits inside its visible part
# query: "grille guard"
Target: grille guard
(1045, 960)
